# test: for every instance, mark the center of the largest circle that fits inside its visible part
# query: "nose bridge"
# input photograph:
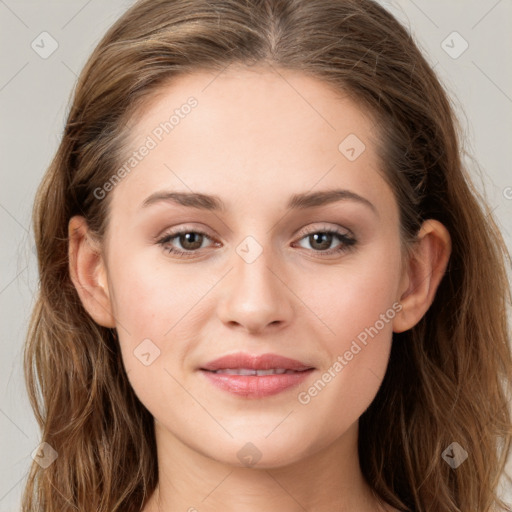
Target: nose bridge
(256, 297)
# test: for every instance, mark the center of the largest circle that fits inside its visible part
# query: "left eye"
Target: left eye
(322, 240)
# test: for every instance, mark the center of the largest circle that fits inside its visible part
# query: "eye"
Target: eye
(322, 239)
(191, 241)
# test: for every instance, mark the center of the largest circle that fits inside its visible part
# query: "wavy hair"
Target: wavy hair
(448, 377)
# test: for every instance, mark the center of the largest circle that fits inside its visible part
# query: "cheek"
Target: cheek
(150, 306)
(357, 305)
(148, 299)
(354, 295)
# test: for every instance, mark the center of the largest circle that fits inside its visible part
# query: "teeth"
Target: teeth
(248, 371)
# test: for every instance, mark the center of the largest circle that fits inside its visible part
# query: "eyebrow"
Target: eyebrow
(296, 202)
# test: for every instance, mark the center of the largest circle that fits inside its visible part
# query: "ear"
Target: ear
(423, 273)
(88, 272)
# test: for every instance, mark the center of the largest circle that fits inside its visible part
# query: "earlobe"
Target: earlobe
(423, 273)
(88, 272)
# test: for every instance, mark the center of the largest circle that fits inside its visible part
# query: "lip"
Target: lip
(255, 362)
(256, 386)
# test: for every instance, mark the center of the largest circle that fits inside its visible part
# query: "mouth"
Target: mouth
(255, 362)
(255, 376)
(250, 371)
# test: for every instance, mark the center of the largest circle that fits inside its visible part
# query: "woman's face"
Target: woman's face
(285, 266)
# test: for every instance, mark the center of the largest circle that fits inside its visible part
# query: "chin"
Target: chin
(257, 452)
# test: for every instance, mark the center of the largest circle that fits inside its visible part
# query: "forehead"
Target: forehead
(252, 101)
(250, 132)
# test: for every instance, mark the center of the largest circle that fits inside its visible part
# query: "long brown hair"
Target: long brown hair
(448, 378)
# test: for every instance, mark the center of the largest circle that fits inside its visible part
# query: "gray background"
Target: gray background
(34, 94)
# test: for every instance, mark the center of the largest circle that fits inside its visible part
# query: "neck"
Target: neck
(326, 480)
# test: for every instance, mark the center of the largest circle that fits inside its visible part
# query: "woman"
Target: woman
(267, 281)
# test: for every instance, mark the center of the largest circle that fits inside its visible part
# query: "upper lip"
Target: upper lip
(255, 362)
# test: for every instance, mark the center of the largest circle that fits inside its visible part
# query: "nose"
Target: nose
(256, 297)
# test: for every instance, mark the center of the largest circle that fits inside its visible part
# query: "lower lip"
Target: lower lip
(254, 386)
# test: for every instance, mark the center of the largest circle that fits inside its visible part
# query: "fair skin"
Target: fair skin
(255, 139)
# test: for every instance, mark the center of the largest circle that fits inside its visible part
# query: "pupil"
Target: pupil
(327, 241)
(188, 239)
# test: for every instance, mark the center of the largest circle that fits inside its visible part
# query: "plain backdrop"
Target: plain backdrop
(467, 42)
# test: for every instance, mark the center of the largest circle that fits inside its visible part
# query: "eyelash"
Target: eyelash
(348, 243)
